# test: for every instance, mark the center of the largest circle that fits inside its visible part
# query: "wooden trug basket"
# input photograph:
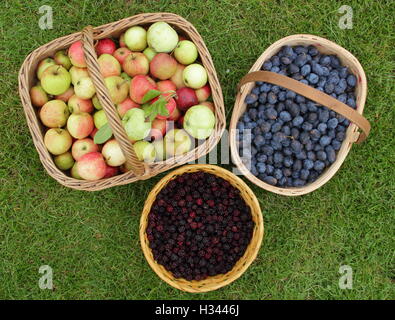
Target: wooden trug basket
(218, 281)
(140, 170)
(355, 116)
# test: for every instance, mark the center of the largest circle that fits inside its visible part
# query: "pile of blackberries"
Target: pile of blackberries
(291, 140)
(199, 226)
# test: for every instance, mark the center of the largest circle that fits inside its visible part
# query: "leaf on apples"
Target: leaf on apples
(103, 134)
(150, 95)
(158, 107)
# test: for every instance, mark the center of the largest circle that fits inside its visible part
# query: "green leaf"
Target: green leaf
(150, 95)
(103, 134)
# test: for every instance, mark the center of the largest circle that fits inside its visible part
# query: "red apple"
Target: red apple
(92, 134)
(77, 105)
(111, 171)
(83, 146)
(91, 166)
(203, 93)
(76, 55)
(39, 96)
(175, 115)
(80, 125)
(165, 86)
(163, 66)
(180, 122)
(159, 128)
(209, 104)
(66, 95)
(136, 63)
(186, 98)
(109, 66)
(139, 86)
(170, 106)
(105, 46)
(121, 53)
(126, 105)
(177, 76)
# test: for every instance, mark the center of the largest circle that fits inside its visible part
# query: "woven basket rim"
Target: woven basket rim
(218, 281)
(352, 134)
(25, 80)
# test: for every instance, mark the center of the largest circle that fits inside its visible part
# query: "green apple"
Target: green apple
(113, 154)
(55, 80)
(177, 142)
(162, 37)
(84, 88)
(62, 59)
(145, 151)
(136, 38)
(54, 114)
(199, 121)
(136, 127)
(159, 146)
(64, 161)
(125, 76)
(78, 73)
(96, 103)
(186, 52)
(57, 141)
(74, 172)
(149, 53)
(44, 64)
(194, 76)
(100, 119)
(118, 88)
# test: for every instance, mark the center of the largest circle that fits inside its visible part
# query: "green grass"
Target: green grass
(91, 239)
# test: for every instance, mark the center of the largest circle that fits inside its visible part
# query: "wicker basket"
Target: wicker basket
(355, 116)
(139, 170)
(218, 281)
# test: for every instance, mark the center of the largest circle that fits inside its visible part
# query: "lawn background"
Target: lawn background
(91, 239)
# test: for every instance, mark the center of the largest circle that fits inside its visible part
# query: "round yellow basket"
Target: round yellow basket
(218, 281)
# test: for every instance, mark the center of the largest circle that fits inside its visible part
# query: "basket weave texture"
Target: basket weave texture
(218, 281)
(352, 134)
(140, 170)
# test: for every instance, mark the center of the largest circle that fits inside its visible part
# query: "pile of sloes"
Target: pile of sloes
(291, 140)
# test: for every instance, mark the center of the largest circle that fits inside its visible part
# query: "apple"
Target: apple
(163, 66)
(74, 172)
(57, 141)
(145, 151)
(54, 114)
(203, 93)
(80, 125)
(91, 166)
(55, 80)
(208, 104)
(109, 66)
(135, 124)
(44, 64)
(96, 103)
(186, 98)
(180, 122)
(76, 55)
(162, 37)
(65, 96)
(100, 119)
(167, 87)
(77, 105)
(126, 105)
(62, 59)
(38, 96)
(83, 146)
(125, 76)
(92, 134)
(121, 53)
(170, 106)
(136, 38)
(177, 76)
(175, 115)
(113, 154)
(186, 52)
(111, 172)
(105, 46)
(136, 63)
(177, 142)
(84, 88)
(159, 147)
(139, 86)
(199, 121)
(159, 128)
(149, 53)
(78, 73)
(122, 43)
(64, 161)
(117, 88)
(194, 76)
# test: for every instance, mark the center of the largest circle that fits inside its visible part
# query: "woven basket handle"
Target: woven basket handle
(312, 94)
(118, 130)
